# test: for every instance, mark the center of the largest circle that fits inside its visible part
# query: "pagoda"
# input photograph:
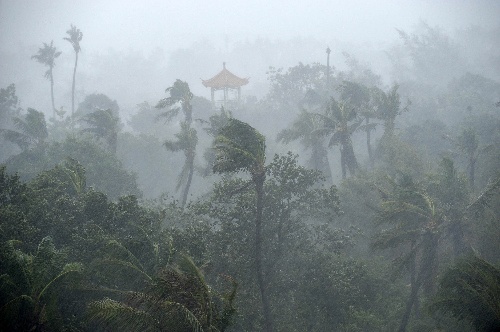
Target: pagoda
(227, 82)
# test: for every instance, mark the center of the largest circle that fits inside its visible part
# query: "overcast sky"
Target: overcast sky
(146, 25)
(133, 49)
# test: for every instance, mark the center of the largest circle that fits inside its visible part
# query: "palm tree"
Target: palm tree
(305, 128)
(177, 299)
(468, 144)
(30, 286)
(47, 56)
(388, 106)
(215, 123)
(470, 291)
(75, 37)
(415, 224)
(104, 125)
(32, 130)
(240, 147)
(180, 97)
(340, 121)
(186, 141)
(359, 96)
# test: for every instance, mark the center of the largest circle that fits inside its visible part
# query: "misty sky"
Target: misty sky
(132, 50)
(145, 25)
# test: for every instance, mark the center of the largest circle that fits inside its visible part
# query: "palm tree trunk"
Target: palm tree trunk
(368, 142)
(73, 88)
(319, 161)
(52, 93)
(113, 142)
(415, 287)
(188, 183)
(350, 158)
(425, 275)
(259, 179)
(472, 166)
(343, 162)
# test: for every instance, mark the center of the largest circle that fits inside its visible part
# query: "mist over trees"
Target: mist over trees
(358, 195)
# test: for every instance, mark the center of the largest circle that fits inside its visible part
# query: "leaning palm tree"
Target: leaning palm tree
(340, 120)
(214, 124)
(32, 130)
(75, 37)
(179, 98)
(104, 125)
(47, 56)
(241, 147)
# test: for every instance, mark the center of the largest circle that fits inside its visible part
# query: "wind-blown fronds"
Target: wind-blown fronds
(470, 291)
(32, 130)
(120, 316)
(239, 147)
(177, 299)
(483, 201)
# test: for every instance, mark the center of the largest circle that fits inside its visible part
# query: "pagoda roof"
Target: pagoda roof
(225, 79)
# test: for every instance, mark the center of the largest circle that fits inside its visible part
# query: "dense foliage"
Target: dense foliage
(383, 218)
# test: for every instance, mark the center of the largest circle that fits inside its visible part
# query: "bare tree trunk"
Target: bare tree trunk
(259, 179)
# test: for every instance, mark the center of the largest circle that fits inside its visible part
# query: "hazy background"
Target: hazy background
(133, 50)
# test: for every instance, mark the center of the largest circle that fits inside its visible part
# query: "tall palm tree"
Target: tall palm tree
(340, 121)
(359, 96)
(305, 128)
(75, 37)
(186, 141)
(104, 125)
(241, 147)
(47, 56)
(388, 106)
(179, 98)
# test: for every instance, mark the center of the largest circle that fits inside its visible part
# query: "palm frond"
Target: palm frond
(69, 269)
(239, 147)
(483, 200)
(120, 316)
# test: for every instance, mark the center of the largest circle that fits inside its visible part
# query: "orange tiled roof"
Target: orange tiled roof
(225, 79)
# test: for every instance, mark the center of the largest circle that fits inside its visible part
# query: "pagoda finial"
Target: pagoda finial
(224, 65)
